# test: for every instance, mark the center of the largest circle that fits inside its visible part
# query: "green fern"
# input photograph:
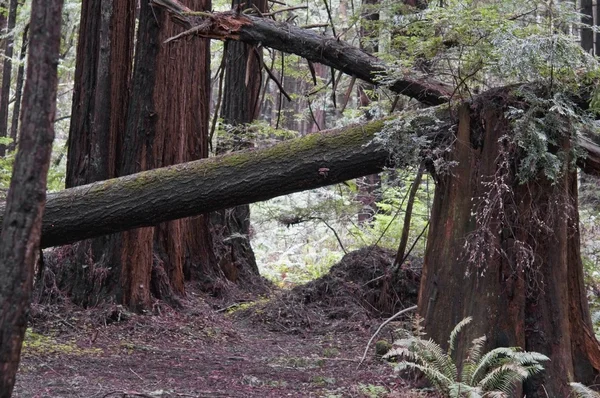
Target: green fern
(491, 375)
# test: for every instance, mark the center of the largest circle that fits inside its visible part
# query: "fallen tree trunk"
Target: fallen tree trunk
(327, 50)
(193, 188)
(188, 189)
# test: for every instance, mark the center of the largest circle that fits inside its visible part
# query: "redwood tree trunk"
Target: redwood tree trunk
(21, 227)
(165, 126)
(99, 111)
(520, 276)
(181, 247)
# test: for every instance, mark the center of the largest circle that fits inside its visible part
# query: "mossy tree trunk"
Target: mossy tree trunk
(193, 188)
(507, 254)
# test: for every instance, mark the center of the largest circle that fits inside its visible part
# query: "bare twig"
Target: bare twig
(270, 14)
(396, 315)
(219, 98)
(273, 77)
(329, 16)
(315, 25)
(408, 216)
(313, 115)
(348, 93)
(281, 90)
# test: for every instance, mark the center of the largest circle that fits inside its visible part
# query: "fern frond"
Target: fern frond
(528, 358)
(455, 332)
(582, 391)
(504, 378)
(399, 352)
(440, 381)
(459, 390)
(473, 356)
(490, 360)
(434, 355)
(495, 394)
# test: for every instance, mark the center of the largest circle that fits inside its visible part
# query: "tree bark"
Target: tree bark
(181, 246)
(98, 116)
(527, 287)
(597, 34)
(587, 18)
(7, 71)
(243, 78)
(206, 185)
(21, 225)
(310, 45)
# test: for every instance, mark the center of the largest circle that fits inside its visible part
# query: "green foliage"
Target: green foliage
(486, 44)
(541, 128)
(493, 374)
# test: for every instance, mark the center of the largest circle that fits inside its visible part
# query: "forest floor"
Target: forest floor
(197, 351)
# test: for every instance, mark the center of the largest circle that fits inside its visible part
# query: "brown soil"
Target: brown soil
(195, 351)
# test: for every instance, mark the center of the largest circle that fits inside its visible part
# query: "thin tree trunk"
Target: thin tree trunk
(18, 91)
(587, 18)
(369, 187)
(7, 72)
(598, 33)
(407, 217)
(243, 78)
(21, 226)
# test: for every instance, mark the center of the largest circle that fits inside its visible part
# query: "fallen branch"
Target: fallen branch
(396, 315)
(327, 50)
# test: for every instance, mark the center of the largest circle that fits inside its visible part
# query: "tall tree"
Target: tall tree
(7, 71)
(21, 226)
(101, 94)
(164, 129)
(520, 275)
(243, 78)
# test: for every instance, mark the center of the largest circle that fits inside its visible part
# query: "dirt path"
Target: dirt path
(195, 353)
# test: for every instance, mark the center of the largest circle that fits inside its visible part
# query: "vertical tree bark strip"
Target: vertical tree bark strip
(135, 247)
(21, 227)
(181, 135)
(19, 90)
(400, 254)
(587, 18)
(99, 111)
(7, 72)
(200, 261)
